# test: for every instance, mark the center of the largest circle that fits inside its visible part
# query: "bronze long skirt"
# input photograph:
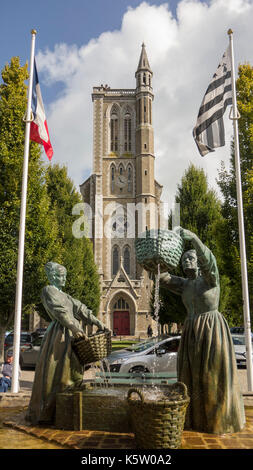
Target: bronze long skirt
(207, 366)
(57, 368)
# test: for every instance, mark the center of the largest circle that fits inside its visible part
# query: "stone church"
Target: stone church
(124, 198)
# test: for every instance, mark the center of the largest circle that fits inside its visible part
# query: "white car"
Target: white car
(240, 349)
(147, 356)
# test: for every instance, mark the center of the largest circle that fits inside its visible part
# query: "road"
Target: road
(27, 377)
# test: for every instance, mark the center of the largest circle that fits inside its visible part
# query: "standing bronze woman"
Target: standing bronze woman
(58, 367)
(206, 357)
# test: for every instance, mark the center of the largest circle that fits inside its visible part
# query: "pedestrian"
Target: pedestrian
(5, 381)
(150, 331)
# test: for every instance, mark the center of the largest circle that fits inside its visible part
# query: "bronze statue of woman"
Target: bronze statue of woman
(206, 357)
(58, 367)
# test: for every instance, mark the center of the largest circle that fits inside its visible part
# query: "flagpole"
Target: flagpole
(20, 264)
(246, 310)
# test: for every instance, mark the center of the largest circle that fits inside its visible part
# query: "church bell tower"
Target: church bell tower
(145, 182)
(123, 177)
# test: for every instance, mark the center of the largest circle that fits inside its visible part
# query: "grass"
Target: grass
(122, 344)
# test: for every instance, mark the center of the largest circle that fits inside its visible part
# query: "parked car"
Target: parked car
(238, 330)
(29, 353)
(7, 333)
(147, 356)
(38, 332)
(25, 339)
(240, 349)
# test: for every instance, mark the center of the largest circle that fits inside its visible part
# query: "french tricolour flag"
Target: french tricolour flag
(39, 130)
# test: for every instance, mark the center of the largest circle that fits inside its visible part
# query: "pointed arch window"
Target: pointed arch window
(145, 109)
(115, 260)
(112, 178)
(129, 178)
(114, 128)
(127, 132)
(121, 304)
(139, 111)
(126, 259)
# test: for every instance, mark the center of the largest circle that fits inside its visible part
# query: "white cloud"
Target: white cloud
(183, 53)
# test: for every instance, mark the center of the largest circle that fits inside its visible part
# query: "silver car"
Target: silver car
(148, 356)
(240, 349)
(29, 353)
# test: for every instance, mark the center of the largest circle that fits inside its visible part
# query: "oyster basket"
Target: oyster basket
(159, 424)
(164, 247)
(93, 348)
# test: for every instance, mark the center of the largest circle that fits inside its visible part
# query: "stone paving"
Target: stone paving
(105, 440)
(239, 440)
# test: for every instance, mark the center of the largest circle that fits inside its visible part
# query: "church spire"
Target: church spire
(143, 62)
(143, 73)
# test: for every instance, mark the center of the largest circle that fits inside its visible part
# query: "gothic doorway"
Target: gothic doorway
(121, 318)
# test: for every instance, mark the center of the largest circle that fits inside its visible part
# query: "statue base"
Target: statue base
(93, 408)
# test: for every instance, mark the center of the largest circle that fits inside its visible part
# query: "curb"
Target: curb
(22, 398)
(12, 400)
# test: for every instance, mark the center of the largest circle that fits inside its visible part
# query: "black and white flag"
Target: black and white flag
(209, 130)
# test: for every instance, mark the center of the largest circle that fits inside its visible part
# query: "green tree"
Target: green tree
(41, 228)
(248, 204)
(200, 208)
(91, 286)
(227, 183)
(77, 254)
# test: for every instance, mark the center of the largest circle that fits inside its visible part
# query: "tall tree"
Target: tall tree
(77, 254)
(227, 183)
(200, 208)
(41, 228)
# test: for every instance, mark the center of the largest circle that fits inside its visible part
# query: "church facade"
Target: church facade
(124, 198)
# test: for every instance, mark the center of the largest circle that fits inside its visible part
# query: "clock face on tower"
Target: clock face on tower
(121, 181)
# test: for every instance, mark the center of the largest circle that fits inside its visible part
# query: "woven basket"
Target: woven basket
(163, 247)
(159, 424)
(93, 348)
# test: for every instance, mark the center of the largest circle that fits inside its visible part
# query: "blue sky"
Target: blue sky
(83, 43)
(58, 21)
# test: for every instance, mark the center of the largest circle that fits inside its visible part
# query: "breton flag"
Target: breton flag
(39, 130)
(209, 130)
